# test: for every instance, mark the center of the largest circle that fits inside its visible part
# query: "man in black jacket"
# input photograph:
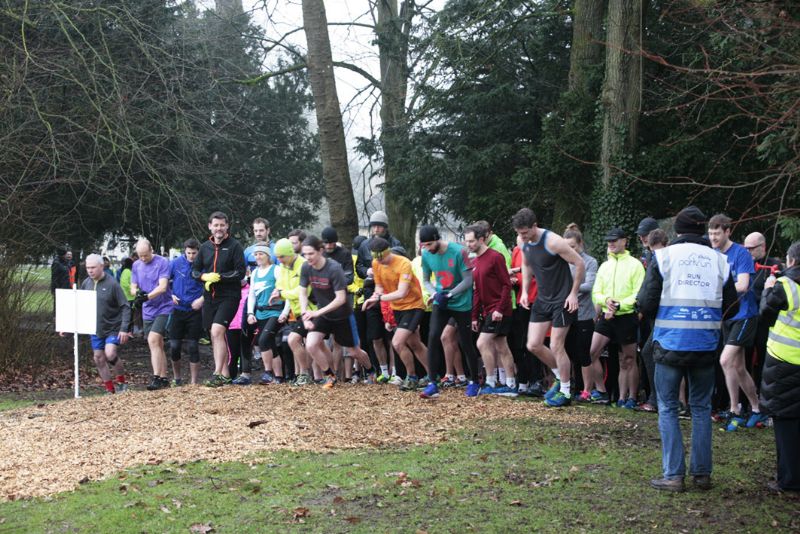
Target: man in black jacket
(690, 291)
(59, 274)
(376, 331)
(220, 265)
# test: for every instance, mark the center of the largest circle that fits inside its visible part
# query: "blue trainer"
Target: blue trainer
(472, 389)
(555, 388)
(486, 389)
(558, 400)
(735, 423)
(757, 420)
(630, 404)
(431, 391)
(505, 391)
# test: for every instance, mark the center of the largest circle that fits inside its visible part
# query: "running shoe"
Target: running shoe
(370, 379)
(447, 383)
(630, 404)
(120, 387)
(736, 422)
(267, 378)
(620, 403)
(242, 380)
(599, 397)
(302, 380)
(558, 400)
(555, 388)
(757, 420)
(217, 381)
(329, 382)
(431, 391)
(472, 389)
(505, 391)
(157, 383)
(279, 380)
(409, 384)
(177, 382)
(354, 379)
(204, 341)
(486, 389)
(395, 380)
(536, 390)
(720, 417)
(424, 381)
(523, 389)
(461, 383)
(584, 396)
(383, 378)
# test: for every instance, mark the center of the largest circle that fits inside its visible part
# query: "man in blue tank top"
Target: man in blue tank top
(548, 257)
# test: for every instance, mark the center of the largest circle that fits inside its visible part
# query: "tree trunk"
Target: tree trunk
(338, 188)
(392, 32)
(586, 51)
(622, 89)
(585, 64)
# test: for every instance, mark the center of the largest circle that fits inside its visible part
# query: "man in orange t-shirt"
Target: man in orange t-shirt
(396, 284)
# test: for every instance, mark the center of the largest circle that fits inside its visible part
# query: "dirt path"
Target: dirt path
(50, 448)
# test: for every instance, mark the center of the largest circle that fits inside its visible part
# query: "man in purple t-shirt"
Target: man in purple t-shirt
(150, 286)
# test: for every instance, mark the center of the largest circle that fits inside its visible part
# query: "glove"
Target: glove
(141, 297)
(209, 278)
(440, 298)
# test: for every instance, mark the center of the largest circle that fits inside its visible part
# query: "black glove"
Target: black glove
(141, 297)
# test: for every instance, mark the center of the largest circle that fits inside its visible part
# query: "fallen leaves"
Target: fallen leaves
(195, 423)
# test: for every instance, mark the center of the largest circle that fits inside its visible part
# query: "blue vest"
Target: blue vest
(262, 287)
(690, 311)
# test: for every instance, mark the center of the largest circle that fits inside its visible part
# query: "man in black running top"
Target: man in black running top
(220, 266)
(547, 256)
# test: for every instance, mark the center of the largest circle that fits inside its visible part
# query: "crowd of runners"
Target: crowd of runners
(543, 319)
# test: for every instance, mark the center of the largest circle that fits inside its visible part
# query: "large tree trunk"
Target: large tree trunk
(392, 31)
(585, 63)
(338, 188)
(622, 89)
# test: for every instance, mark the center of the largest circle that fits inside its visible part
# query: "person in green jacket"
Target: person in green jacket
(615, 289)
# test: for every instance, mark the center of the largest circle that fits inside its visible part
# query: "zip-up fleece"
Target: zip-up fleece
(227, 259)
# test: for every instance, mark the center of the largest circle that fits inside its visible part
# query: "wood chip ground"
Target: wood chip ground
(52, 448)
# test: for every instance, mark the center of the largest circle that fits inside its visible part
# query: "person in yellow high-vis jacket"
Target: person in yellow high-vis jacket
(780, 387)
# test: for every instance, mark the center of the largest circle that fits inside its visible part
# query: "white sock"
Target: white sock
(556, 374)
(385, 369)
(523, 386)
(491, 381)
(449, 377)
(501, 372)
(511, 382)
(565, 388)
(462, 378)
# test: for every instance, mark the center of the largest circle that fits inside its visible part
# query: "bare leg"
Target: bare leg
(219, 345)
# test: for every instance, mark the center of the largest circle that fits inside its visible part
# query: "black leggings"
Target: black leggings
(240, 350)
(191, 347)
(463, 321)
(267, 329)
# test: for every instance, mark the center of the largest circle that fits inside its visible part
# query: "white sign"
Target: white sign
(76, 311)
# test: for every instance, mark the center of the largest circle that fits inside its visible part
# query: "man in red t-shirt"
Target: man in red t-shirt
(491, 311)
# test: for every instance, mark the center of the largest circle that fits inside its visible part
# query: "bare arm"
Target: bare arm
(742, 282)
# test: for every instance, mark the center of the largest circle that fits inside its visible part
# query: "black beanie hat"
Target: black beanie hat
(428, 233)
(329, 235)
(690, 221)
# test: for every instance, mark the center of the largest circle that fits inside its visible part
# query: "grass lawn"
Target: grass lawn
(511, 476)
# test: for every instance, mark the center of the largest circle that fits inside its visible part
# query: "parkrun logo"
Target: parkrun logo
(695, 260)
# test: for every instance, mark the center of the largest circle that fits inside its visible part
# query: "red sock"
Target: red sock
(109, 386)
(120, 379)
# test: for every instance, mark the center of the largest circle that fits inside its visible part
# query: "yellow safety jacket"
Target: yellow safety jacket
(784, 336)
(618, 278)
(357, 284)
(287, 280)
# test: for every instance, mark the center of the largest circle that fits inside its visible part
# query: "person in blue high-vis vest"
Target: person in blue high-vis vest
(690, 291)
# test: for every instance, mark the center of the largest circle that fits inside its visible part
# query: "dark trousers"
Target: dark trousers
(463, 321)
(528, 368)
(787, 443)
